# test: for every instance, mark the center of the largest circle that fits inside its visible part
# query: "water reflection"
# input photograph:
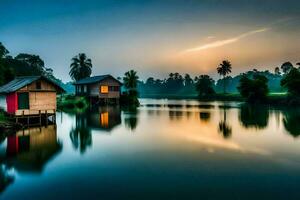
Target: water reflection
(100, 118)
(5, 177)
(30, 149)
(291, 121)
(205, 116)
(224, 127)
(131, 118)
(254, 116)
(27, 151)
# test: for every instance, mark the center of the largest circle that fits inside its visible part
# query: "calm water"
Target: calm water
(164, 149)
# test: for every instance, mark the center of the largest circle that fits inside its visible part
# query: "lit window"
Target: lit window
(104, 119)
(104, 89)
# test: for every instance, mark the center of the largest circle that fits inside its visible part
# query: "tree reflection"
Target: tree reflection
(291, 122)
(81, 135)
(254, 116)
(224, 127)
(204, 116)
(131, 118)
(5, 178)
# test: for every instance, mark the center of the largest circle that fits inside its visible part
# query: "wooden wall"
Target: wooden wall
(95, 89)
(44, 86)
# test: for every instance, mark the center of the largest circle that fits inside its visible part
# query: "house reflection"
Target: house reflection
(29, 150)
(100, 118)
(104, 118)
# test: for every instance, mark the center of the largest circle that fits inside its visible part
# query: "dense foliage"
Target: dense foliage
(255, 89)
(24, 65)
(81, 67)
(130, 96)
(204, 86)
(291, 82)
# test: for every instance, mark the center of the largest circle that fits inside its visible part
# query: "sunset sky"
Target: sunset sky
(154, 37)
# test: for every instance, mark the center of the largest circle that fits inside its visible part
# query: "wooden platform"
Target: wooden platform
(35, 117)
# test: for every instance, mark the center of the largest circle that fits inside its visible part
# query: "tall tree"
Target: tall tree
(188, 81)
(130, 80)
(277, 71)
(204, 86)
(81, 67)
(3, 51)
(33, 60)
(292, 82)
(224, 69)
(286, 67)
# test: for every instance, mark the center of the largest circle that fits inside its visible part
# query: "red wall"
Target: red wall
(12, 102)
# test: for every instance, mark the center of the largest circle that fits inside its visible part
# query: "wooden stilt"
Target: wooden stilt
(46, 115)
(40, 115)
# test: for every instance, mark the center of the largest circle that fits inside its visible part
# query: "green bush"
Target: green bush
(254, 90)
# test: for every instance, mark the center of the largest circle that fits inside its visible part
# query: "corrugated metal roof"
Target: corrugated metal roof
(94, 79)
(22, 81)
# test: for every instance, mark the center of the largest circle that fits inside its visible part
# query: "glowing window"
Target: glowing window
(104, 119)
(104, 89)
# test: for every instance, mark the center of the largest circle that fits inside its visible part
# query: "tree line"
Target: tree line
(24, 64)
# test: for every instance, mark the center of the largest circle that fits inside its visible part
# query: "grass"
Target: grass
(71, 103)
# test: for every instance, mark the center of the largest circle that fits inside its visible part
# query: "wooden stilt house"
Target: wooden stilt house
(29, 95)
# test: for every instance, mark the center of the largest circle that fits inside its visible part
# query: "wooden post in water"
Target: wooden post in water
(46, 118)
(40, 115)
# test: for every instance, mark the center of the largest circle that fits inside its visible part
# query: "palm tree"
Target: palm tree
(224, 69)
(286, 67)
(81, 67)
(277, 71)
(130, 80)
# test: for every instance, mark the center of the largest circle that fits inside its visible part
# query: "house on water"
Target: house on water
(99, 89)
(29, 95)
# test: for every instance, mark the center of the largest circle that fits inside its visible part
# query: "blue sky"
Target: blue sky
(154, 37)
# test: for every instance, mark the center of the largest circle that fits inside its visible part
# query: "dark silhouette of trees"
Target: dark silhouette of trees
(204, 86)
(6, 72)
(254, 116)
(80, 135)
(224, 127)
(292, 82)
(81, 67)
(130, 80)
(3, 51)
(277, 71)
(298, 64)
(286, 67)
(291, 119)
(32, 60)
(224, 69)
(130, 97)
(254, 90)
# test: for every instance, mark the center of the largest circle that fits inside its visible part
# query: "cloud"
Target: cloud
(220, 43)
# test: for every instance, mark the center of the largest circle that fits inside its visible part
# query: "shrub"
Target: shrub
(254, 90)
(292, 82)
